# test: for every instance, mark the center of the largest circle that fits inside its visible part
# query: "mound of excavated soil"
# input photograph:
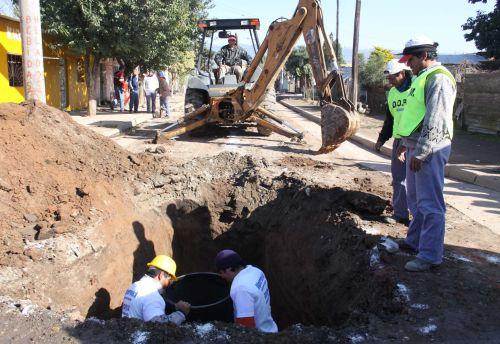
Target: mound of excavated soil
(64, 196)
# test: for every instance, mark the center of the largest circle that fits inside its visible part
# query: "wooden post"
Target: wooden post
(337, 32)
(355, 61)
(31, 35)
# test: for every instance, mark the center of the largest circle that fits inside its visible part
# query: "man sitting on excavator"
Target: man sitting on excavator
(229, 59)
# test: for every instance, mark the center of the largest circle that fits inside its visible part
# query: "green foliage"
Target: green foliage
(297, 63)
(382, 52)
(485, 30)
(152, 33)
(372, 72)
(340, 55)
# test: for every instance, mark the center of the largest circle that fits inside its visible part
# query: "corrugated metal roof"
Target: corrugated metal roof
(9, 18)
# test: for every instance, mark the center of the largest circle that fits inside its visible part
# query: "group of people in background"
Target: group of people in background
(128, 90)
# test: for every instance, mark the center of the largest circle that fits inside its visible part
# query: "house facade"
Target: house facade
(64, 73)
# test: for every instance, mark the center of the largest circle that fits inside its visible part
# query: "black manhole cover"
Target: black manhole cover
(207, 293)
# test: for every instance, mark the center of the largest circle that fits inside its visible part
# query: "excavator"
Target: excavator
(243, 102)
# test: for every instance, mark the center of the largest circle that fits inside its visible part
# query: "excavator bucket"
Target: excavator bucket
(337, 125)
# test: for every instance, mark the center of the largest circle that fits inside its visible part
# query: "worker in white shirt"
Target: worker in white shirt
(249, 291)
(142, 299)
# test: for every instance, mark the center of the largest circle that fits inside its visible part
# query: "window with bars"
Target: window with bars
(15, 63)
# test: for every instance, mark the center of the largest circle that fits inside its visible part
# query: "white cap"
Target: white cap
(418, 41)
(416, 45)
(393, 67)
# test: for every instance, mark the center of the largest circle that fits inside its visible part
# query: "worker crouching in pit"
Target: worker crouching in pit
(142, 299)
(249, 291)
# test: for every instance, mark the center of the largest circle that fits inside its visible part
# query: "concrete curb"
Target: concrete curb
(108, 127)
(457, 172)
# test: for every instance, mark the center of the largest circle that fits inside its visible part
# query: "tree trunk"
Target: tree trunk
(91, 69)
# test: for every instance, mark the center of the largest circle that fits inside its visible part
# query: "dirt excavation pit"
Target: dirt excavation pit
(307, 240)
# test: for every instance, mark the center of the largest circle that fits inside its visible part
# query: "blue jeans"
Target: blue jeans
(164, 104)
(398, 171)
(134, 101)
(151, 102)
(426, 202)
(120, 97)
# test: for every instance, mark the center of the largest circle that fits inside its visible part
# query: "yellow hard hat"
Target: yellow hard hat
(164, 263)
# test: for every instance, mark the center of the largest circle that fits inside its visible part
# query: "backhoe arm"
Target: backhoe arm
(338, 119)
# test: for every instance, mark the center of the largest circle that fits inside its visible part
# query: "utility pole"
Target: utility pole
(31, 36)
(337, 32)
(355, 61)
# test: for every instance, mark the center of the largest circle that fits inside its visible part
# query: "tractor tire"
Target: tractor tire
(269, 103)
(194, 100)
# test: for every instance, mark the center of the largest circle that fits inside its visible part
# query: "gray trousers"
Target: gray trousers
(237, 70)
(398, 172)
(426, 202)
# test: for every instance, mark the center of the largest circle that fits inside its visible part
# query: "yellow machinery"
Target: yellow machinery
(243, 103)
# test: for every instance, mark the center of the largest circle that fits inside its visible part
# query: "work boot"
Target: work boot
(418, 265)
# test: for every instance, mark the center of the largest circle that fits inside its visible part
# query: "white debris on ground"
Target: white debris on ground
(403, 292)
(427, 329)
(420, 306)
(389, 245)
(371, 230)
(460, 258)
(356, 338)
(493, 259)
(203, 330)
(139, 337)
(96, 321)
(375, 257)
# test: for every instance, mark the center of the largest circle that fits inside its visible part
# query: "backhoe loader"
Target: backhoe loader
(243, 103)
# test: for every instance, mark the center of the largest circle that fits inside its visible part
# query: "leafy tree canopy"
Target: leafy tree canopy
(372, 72)
(485, 30)
(340, 55)
(298, 63)
(154, 33)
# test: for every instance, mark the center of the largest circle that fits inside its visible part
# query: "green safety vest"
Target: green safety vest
(414, 110)
(396, 101)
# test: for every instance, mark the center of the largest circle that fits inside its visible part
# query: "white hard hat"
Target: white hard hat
(393, 67)
(416, 45)
(419, 41)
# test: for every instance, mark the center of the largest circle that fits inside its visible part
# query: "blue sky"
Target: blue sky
(386, 23)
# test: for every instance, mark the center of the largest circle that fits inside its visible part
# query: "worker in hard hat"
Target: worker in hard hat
(427, 130)
(399, 76)
(143, 300)
(249, 291)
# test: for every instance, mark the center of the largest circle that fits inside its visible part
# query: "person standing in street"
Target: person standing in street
(249, 291)
(165, 93)
(399, 76)
(427, 131)
(118, 81)
(133, 86)
(142, 299)
(150, 87)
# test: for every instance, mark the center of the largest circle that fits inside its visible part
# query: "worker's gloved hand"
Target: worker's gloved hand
(378, 145)
(183, 306)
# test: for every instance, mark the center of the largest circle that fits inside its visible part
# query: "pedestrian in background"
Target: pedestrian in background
(165, 93)
(118, 81)
(133, 86)
(399, 76)
(151, 85)
(427, 131)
